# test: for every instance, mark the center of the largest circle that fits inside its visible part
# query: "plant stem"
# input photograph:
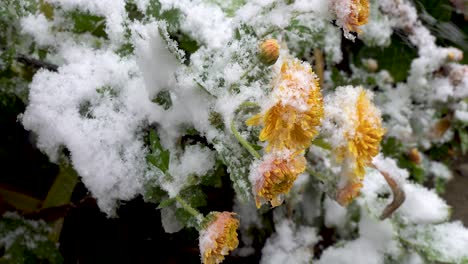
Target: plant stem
(243, 142)
(189, 208)
(248, 70)
(319, 142)
(204, 89)
(317, 175)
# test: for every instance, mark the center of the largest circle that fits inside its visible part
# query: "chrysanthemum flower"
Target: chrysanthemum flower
(292, 121)
(351, 13)
(218, 237)
(359, 14)
(275, 176)
(360, 125)
(364, 144)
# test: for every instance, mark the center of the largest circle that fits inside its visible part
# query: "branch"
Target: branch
(36, 63)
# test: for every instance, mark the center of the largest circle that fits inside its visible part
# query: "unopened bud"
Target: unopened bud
(269, 51)
(371, 65)
(441, 127)
(454, 54)
(415, 156)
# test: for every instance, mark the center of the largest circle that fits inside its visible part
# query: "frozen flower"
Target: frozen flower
(269, 51)
(218, 237)
(291, 123)
(351, 13)
(356, 126)
(275, 176)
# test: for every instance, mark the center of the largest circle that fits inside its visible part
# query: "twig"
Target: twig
(36, 63)
(319, 65)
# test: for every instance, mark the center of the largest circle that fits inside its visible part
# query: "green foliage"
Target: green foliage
(214, 179)
(426, 239)
(229, 6)
(157, 156)
(395, 58)
(86, 22)
(163, 98)
(216, 120)
(26, 241)
(62, 188)
(393, 148)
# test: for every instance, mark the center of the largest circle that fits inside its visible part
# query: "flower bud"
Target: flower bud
(415, 156)
(269, 51)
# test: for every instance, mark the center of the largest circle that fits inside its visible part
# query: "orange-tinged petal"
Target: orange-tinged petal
(219, 237)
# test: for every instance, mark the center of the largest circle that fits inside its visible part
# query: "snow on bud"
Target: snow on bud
(269, 51)
(371, 65)
(454, 54)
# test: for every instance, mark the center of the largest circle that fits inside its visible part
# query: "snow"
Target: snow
(335, 214)
(38, 27)
(290, 244)
(198, 21)
(195, 160)
(440, 170)
(157, 64)
(423, 206)
(340, 114)
(112, 10)
(376, 239)
(99, 106)
(99, 127)
(446, 242)
(169, 220)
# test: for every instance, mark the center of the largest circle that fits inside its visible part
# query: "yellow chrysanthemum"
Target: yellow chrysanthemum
(276, 176)
(358, 16)
(362, 146)
(219, 237)
(291, 123)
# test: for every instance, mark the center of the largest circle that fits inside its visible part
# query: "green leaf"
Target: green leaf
(163, 98)
(19, 200)
(441, 10)
(62, 188)
(391, 147)
(158, 156)
(216, 120)
(194, 196)
(27, 241)
(416, 171)
(229, 6)
(166, 203)
(153, 193)
(215, 178)
(85, 22)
